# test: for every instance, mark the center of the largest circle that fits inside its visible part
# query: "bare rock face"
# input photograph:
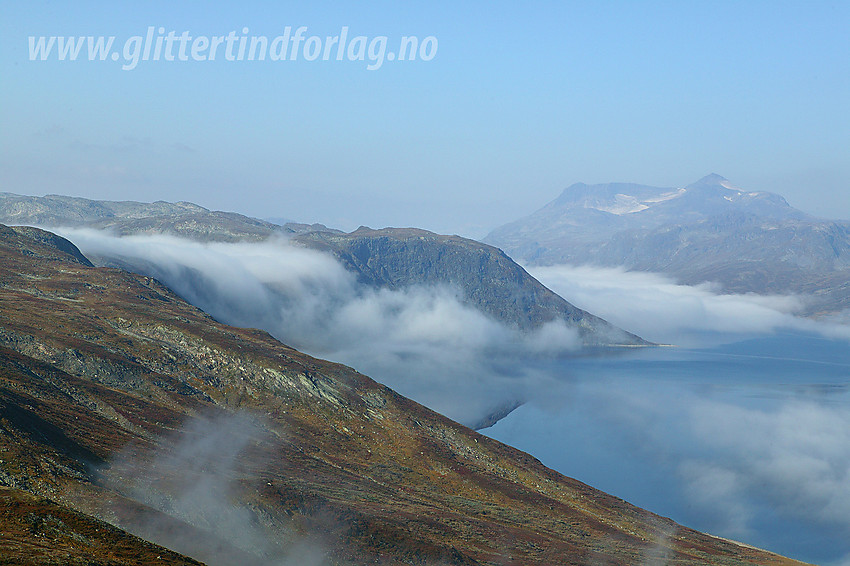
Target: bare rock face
(488, 278)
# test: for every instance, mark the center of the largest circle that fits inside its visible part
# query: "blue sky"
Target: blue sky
(518, 102)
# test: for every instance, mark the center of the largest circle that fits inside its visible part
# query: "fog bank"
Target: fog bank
(422, 341)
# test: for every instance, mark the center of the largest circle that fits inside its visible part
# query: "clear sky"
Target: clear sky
(518, 101)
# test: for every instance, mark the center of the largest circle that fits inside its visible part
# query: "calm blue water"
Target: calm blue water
(748, 440)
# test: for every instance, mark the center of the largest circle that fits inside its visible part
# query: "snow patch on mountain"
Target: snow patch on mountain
(623, 204)
(629, 204)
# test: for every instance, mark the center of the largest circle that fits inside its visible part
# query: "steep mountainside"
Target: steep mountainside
(707, 231)
(121, 401)
(489, 279)
(393, 258)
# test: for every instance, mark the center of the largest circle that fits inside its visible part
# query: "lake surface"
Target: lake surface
(748, 440)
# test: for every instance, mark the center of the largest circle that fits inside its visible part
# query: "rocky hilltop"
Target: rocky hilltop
(122, 402)
(709, 231)
(183, 219)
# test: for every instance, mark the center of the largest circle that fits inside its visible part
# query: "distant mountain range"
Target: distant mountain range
(708, 231)
(391, 258)
(120, 402)
(128, 217)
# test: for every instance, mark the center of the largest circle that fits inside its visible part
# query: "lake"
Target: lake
(749, 439)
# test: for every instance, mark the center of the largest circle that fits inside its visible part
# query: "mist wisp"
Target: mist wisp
(194, 479)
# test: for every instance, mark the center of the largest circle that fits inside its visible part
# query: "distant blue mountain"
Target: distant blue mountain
(709, 230)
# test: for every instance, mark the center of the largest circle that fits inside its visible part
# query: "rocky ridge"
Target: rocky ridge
(489, 280)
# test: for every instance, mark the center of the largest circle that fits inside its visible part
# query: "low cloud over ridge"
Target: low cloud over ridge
(657, 308)
(422, 341)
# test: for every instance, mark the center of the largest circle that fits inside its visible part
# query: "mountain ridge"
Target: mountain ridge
(131, 217)
(508, 292)
(403, 257)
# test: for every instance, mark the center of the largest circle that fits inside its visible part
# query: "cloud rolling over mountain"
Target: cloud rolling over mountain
(660, 309)
(421, 340)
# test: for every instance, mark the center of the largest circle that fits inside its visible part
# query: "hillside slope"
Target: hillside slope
(36, 531)
(122, 401)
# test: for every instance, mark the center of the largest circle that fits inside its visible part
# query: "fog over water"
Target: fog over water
(750, 441)
(657, 308)
(741, 429)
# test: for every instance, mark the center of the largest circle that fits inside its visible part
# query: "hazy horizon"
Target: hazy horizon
(507, 107)
(354, 224)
